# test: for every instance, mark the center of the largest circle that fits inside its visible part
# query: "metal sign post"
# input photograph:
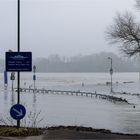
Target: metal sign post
(5, 79)
(16, 62)
(34, 76)
(18, 49)
(111, 73)
(12, 77)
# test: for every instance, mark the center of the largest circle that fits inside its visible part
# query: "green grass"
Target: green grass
(13, 131)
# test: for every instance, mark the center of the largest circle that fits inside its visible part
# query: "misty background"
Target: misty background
(64, 27)
(84, 63)
(65, 35)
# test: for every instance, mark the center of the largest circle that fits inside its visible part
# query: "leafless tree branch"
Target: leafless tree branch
(138, 4)
(126, 32)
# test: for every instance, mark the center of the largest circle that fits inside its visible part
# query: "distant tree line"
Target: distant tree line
(87, 63)
(83, 63)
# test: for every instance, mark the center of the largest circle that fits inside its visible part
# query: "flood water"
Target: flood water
(52, 110)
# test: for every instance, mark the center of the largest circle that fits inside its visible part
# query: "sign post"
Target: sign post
(16, 62)
(5, 79)
(34, 76)
(18, 49)
(111, 73)
(12, 77)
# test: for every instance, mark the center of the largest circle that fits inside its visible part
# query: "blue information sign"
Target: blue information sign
(18, 61)
(34, 77)
(17, 111)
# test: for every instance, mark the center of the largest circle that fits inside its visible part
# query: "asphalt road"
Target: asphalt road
(73, 134)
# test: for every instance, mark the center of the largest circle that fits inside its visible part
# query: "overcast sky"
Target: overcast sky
(64, 27)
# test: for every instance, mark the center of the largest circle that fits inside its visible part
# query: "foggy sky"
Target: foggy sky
(64, 27)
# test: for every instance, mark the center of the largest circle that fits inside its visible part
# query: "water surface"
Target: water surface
(73, 110)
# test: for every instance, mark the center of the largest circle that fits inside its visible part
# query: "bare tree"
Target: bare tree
(138, 4)
(126, 32)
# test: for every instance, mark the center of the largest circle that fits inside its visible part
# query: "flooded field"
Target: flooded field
(52, 110)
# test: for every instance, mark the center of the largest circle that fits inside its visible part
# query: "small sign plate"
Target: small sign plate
(18, 61)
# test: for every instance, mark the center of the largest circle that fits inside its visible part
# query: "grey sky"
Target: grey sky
(65, 27)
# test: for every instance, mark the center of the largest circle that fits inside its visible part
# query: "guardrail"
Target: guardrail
(76, 93)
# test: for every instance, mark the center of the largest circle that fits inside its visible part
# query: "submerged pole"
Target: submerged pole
(111, 73)
(5, 79)
(34, 76)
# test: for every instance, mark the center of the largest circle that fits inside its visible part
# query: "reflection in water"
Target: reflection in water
(12, 98)
(34, 102)
(5, 97)
(8, 95)
(5, 118)
(12, 103)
